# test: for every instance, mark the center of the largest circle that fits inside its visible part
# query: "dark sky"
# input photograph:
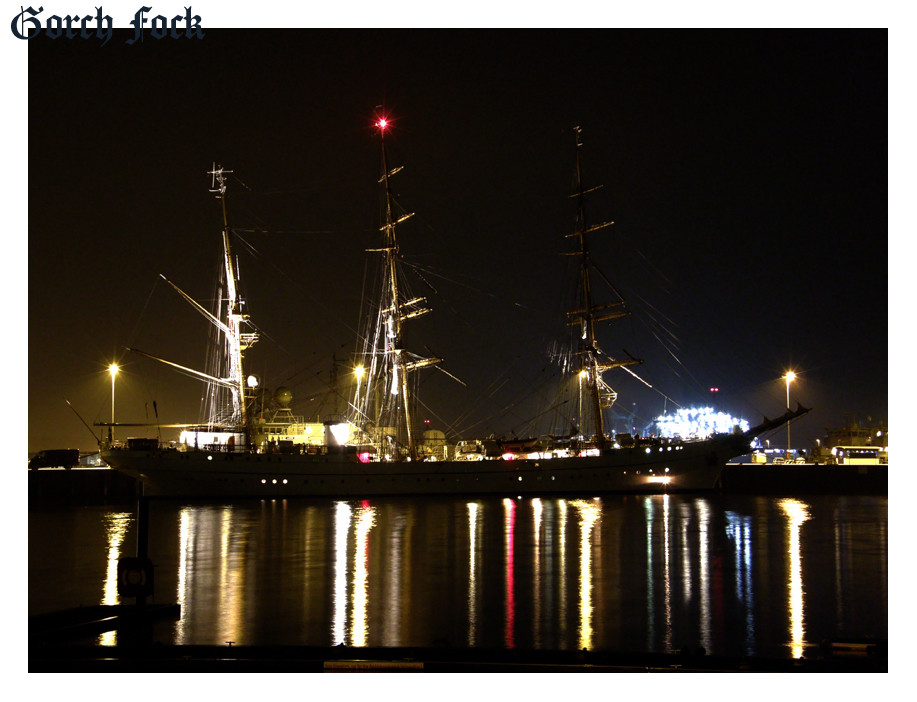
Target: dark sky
(746, 172)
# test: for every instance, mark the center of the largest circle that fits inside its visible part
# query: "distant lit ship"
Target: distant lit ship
(853, 442)
(243, 450)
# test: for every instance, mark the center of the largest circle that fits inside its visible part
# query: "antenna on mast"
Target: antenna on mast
(217, 179)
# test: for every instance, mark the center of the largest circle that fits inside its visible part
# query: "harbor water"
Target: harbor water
(733, 575)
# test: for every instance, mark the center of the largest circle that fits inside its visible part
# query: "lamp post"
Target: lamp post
(789, 377)
(113, 369)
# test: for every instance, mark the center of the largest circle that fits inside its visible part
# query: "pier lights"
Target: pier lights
(113, 369)
(789, 377)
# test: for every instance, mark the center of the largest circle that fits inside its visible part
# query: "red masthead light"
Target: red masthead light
(383, 122)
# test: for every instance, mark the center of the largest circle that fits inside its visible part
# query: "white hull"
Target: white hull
(169, 473)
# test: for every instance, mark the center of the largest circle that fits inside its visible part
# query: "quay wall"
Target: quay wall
(79, 486)
(93, 486)
(805, 478)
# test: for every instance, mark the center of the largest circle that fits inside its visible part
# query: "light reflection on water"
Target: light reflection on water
(797, 513)
(342, 513)
(116, 525)
(474, 537)
(509, 584)
(739, 531)
(589, 515)
(655, 573)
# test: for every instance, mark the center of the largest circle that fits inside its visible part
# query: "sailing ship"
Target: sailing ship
(376, 449)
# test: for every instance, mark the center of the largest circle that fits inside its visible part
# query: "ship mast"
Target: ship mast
(394, 310)
(237, 341)
(592, 365)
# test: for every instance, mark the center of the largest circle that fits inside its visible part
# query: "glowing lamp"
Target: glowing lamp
(113, 369)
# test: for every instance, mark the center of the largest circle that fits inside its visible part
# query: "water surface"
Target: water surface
(735, 575)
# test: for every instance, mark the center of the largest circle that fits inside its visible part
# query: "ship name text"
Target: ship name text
(27, 24)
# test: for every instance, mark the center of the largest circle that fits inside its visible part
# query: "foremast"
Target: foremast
(237, 340)
(592, 364)
(390, 362)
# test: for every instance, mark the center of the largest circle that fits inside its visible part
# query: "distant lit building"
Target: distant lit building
(697, 423)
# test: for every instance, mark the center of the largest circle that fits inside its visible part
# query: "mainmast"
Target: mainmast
(394, 310)
(237, 341)
(592, 365)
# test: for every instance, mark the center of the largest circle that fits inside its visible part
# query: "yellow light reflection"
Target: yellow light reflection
(352, 606)
(116, 526)
(537, 511)
(561, 542)
(366, 520)
(212, 570)
(796, 512)
(184, 547)
(232, 579)
(342, 514)
(589, 516)
(474, 527)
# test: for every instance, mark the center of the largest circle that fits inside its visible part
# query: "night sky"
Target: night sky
(746, 173)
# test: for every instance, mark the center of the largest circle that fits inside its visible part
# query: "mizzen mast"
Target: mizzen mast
(592, 365)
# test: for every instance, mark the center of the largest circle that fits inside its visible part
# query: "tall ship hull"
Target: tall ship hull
(170, 473)
(651, 467)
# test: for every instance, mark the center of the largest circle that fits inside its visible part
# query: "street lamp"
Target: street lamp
(789, 377)
(113, 369)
